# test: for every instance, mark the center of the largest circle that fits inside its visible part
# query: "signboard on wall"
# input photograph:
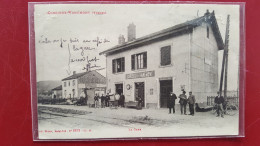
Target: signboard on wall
(140, 75)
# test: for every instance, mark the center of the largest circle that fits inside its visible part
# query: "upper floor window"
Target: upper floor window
(207, 32)
(165, 55)
(139, 61)
(68, 83)
(73, 83)
(64, 84)
(118, 65)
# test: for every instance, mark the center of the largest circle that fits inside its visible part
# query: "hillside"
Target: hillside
(43, 86)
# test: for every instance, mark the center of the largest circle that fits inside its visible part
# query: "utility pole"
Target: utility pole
(226, 65)
(224, 70)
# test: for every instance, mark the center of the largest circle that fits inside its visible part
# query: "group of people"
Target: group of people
(183, 102)
(219, 102)
(104, 100)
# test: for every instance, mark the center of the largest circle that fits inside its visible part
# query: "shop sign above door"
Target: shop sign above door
(140, 75)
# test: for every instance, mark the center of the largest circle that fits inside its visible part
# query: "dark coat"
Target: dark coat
(103, 98)
(122, 97)
(219, 100)
(191, 99)
(183, 99)
(96, 98)
(171, 100)
(107, 97)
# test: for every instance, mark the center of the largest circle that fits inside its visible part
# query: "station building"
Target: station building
(182, 57)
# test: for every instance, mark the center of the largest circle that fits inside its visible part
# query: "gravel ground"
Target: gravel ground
(125, 122)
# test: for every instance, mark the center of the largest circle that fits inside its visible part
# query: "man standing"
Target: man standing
(122, 100)
(191, 101)
(139, 105)
(103, 98)
(107, 99)
(117, 97)
(183, 102)
(171, 102)
(219, 101)
(96, 97)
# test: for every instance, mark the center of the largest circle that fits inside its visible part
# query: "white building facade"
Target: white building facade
(183, 57)
(86, 83)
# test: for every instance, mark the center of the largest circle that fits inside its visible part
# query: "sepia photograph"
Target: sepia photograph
(106, 71)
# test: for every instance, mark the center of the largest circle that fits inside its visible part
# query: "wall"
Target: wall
(204, 63)
(178, 70)
(69, 88)
(58, 93)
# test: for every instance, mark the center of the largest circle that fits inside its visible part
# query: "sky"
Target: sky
(52, 58)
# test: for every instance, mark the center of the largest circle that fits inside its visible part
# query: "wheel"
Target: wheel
(214, 110)
(231, 112)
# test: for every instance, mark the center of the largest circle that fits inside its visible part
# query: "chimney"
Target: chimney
(131, 32)
(121, 39)
(74, 72)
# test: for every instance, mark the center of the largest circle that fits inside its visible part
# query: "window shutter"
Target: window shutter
(166, 55)
(133, 62)
(113, 65)
(145, 59)
(123, 64)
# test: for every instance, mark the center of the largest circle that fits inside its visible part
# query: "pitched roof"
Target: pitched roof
(77, 75)
(57, 88)
(171, 32)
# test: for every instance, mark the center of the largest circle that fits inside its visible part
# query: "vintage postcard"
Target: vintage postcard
(136, 70)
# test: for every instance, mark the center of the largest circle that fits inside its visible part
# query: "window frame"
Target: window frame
(115, 64)
(135, 65)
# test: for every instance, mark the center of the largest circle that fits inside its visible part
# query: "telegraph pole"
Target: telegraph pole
(224, 70)
(226, 65)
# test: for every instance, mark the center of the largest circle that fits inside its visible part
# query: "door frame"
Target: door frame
(123, 87)
(144, 91)
(159, 87)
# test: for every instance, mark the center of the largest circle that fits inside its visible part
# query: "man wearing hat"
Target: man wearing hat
(171, 102)
(183, 102)
(219, 101)
(191, 101)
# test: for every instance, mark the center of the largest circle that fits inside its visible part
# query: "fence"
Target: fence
(234, 100)
(51, 100)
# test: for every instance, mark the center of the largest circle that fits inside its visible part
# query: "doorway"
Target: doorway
(165, 89)
(119, 88)
(139, 92)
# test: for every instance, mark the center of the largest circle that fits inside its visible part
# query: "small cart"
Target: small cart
(113, 104)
